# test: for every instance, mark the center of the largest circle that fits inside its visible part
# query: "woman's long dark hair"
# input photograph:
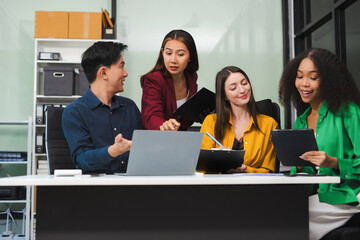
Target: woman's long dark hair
(189, 42)
(223, 107)
(337, 86)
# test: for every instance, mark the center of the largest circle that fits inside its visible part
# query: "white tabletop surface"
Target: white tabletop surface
(207, 179)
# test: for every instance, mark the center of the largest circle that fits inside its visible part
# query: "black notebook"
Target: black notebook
(202, 101)
(290, 144)
(219, 160)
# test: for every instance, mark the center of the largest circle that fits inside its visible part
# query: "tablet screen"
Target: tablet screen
(290, 144)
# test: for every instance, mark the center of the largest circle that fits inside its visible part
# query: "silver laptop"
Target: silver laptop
(159, 153)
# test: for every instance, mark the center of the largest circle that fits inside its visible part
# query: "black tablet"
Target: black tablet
(219, 160)
(290, 144)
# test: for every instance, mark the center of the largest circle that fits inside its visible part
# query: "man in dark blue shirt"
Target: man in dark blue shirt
(99, 126)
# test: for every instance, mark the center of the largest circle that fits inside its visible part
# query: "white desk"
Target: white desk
(171, 207)
(207, 179)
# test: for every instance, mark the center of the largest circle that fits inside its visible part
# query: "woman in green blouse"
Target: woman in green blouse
(325, 95)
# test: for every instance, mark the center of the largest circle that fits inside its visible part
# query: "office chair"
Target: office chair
(349, 231)
(269, 108)
(57, 148)
(272, 109)
(266, 107)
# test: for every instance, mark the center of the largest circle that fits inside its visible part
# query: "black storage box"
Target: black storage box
(58, 80)
(81, 82)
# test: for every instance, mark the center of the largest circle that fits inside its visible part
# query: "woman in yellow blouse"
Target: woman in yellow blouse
(237, 124)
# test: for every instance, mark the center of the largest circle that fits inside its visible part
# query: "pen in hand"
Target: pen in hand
(214, 139)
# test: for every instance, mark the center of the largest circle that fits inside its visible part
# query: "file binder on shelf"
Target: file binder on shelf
(39, 114)
(39, 143)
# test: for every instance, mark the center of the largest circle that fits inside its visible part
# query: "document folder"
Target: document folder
(202, 101)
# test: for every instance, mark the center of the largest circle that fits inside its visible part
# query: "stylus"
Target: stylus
(214, 139)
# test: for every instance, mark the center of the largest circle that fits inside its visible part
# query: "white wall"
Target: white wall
(245, 33)
(17, 62)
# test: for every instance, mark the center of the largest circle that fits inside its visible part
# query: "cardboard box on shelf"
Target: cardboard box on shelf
(51, 24)
(85, 25)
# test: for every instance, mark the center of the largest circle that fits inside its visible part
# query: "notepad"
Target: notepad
(202, 101)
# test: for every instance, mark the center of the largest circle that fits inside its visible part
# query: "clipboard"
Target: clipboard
(203, 100)
(219, 160)
(292, 143)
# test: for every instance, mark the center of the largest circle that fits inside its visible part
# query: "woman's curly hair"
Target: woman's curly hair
(337, 86)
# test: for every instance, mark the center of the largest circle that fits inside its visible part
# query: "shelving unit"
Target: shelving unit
(70, 51)
(27, 162)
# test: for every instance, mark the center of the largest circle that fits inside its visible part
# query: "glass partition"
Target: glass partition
(352, 19)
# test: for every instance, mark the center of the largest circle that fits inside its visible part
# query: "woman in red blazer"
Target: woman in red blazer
(170, 83)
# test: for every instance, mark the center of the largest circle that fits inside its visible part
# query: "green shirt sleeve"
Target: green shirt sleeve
(349, 165)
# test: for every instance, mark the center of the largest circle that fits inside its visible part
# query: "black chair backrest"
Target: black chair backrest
(349, 231)
(57, 148)
(269, 108)
(272, 109)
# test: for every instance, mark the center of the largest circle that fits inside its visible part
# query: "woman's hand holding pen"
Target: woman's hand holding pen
(320, 158)
(170, 125)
